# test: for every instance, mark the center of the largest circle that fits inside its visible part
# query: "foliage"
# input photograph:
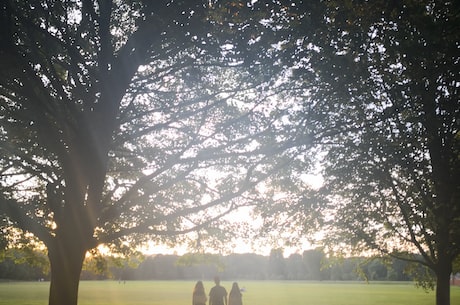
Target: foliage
(24, 264)
(456, 265)
(129, 121)
(276, 265)
(191, 259)
(377, 85)
(311, 265)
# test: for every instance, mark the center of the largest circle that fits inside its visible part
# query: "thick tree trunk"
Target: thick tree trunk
(66, 261)
(443, 283)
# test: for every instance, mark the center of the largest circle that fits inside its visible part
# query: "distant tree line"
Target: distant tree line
(23, 265)
(310, 265)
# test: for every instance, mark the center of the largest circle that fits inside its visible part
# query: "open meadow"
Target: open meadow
(256, 293)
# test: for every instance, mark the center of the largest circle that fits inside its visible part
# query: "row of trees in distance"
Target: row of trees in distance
(310, 265)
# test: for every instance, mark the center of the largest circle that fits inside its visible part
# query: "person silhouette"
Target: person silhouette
(199, 296)
(235, 297)
(218, 294)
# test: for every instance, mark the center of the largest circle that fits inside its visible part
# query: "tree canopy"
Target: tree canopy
(380, 85)
(123, 121)
(126, 121)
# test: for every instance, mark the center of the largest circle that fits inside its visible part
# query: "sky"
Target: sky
(240, 245)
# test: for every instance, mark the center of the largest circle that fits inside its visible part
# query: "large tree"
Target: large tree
(124, 121)
(378, 90)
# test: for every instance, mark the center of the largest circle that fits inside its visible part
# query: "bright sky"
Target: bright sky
(242, 246)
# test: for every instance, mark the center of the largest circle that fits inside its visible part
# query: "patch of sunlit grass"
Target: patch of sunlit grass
(256, 293)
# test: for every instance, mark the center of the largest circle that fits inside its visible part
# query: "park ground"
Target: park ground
(255, 293)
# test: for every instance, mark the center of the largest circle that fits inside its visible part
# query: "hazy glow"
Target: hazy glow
(312, 180)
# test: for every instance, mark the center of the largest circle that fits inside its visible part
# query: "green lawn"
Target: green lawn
(257, 293)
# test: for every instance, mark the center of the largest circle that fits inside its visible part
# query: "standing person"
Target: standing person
(218, 294)
(235, 297)
(199, 296)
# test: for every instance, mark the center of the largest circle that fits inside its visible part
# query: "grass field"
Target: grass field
(257, 293)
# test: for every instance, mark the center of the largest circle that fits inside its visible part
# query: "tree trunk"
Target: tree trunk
(443, 273)
(66, 260)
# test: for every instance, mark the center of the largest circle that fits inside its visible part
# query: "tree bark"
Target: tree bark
(66, 260)
(443, 273)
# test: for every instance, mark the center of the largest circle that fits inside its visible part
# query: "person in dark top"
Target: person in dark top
(218, 294)
(199, 296)
(235, 297)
